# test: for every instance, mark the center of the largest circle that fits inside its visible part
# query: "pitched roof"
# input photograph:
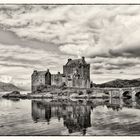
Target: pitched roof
(76, 62)
(57, 74)
(41, 73)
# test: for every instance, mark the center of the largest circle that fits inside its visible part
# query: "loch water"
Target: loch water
(96, 117)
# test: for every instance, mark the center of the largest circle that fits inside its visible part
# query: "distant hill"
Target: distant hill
(119, 83)
(8, 87)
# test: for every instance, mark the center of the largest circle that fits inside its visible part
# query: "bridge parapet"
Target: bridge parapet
(132, 91)
(136, 88)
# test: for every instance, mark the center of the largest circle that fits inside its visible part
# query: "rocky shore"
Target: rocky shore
(15, 94)
(57, 94)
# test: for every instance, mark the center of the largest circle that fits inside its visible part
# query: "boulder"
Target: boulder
(23, 96)
(13, 94)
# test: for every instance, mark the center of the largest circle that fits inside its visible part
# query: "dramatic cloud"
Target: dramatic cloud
(18, 63)
(45, 36)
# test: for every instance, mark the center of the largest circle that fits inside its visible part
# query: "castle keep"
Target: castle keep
(76, 73)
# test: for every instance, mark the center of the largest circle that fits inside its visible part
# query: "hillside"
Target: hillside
(119, 83)
(8, 87)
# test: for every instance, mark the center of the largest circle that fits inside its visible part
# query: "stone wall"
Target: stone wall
(80, 69)
(56, 79)
(84, 76)
(76, 73)
(81, 83)
(48, 78)
(40, 78)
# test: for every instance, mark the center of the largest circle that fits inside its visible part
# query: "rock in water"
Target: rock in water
(14, 94)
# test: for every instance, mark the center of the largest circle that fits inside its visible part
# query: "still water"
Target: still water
(67, 117)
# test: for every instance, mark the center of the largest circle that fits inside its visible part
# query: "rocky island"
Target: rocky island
(74, 82)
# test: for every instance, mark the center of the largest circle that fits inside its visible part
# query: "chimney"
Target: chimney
(83, 58)
(69, 59)
(35, 72)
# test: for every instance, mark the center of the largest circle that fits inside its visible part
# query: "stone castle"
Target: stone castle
(76, 73)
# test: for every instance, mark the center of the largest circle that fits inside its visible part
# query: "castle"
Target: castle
(76, 73)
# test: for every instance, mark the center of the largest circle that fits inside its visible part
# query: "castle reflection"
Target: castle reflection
(76, 115)
(114, 104)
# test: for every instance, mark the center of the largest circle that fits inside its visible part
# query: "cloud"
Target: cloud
(112, 35)
(73, 49)
(5, 78)
(92, 31)
(42, 36)
(130, 46)
(17, 62)
(114, 63)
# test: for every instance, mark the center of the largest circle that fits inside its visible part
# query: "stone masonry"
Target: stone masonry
(76, 73)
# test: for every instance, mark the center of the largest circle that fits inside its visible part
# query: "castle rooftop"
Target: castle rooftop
(40, 73)
(76, 61)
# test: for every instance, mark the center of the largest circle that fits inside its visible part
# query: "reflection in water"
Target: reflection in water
(127, 103)
(137, 103)
(41, 111)
(14, 99)
(114, 104)
(75, 115)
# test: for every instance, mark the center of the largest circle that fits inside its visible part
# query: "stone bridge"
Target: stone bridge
(131, 92)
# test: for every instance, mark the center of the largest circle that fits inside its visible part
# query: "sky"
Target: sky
(41, 37)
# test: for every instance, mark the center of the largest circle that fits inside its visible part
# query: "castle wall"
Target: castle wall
(84, 74)
(76, 73)
(40, 79)
(56, 79)
(81, 83)
(47, 79)
(69, 83)
(83, 70)
(36, 81)
(68, 70)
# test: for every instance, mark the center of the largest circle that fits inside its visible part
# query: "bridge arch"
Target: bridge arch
(125, 93)
(137, 94)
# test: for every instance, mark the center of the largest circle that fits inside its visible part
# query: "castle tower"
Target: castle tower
(40, 78)
(81, 68)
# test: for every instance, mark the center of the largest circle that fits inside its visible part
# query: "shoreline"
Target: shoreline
(62, 93)
(48, 95)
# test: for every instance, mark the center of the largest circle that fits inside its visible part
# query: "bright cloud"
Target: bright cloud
(17, 63)
(46, 35)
